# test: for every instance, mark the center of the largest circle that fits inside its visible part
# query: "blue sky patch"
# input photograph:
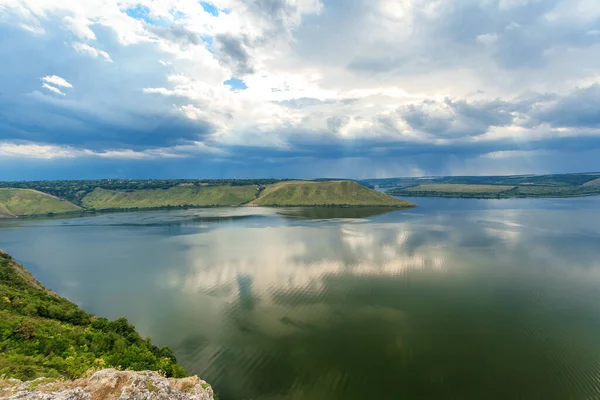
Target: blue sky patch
(139, 12)
(177, 14)
(235, 84)
(143, 13)
(210, 8)
(208, 40)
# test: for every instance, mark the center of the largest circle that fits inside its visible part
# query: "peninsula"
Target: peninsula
(492, 187)
(60, 197)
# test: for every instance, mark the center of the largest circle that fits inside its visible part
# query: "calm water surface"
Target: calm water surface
(456, 299)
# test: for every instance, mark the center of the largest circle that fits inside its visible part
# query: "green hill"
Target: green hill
(101, 199)
(15, 202)
(459, 190)
(43, 334)
(595, 183)
(330, 193)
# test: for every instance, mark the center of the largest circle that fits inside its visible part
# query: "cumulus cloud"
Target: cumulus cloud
(176, 33)
(233, 52)
(396, 86)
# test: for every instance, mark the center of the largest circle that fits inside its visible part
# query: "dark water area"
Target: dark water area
(455, 299)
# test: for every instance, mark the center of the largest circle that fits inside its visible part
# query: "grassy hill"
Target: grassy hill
(14, 202)
(330, 193)
(595, 182)
(460, 190)
(553, 180)
(177, 196)
(43, 334)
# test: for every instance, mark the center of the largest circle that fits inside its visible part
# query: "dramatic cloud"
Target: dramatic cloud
(298, 87)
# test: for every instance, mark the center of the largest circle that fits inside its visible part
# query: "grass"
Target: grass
(459, 188)
(39, 382)
(330, 193)
(595, 182)
(45, 335)
(179, 196)
(17, 202)
(151, 387)
(498, 191)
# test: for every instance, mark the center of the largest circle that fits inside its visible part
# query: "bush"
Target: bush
(42, 334)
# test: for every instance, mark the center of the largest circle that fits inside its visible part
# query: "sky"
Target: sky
(298, 88)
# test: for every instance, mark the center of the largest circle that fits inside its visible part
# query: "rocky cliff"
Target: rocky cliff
(109, 384)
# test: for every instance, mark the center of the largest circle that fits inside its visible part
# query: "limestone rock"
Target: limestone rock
(111, 384)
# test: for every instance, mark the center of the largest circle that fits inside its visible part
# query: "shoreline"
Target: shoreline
(83, 213)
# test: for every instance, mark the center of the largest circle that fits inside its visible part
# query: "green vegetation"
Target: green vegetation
(330, 193)
(180, 196)
(510, 180)
(75, 191)
(16, 202)
(460, 190)
(115, 195)
(43, 334)
(595, 182)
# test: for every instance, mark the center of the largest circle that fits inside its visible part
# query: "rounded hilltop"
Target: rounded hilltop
(338, 193)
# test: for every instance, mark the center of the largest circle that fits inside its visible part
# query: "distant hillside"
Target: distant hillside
(330, 193)
(552, 180)
(595, 182)
(43, 334)
(101, 199)
(15, 202)
(500, 187)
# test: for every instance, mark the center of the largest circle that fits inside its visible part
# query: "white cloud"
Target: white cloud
(91, 51)
(80, 27)
(314, 70)
(49, 151)
(56, 81)
(53, 89)
(34, 151)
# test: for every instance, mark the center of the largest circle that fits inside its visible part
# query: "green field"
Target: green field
(459, 188)
(497, 191)
(567, 180)
(595, 182)
(16, 202)
(330, 193)
(179, 196)
(43, 334)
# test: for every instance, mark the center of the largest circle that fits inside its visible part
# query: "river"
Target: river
(455, 299)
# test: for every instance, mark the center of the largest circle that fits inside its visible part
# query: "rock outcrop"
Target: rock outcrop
(109, 384)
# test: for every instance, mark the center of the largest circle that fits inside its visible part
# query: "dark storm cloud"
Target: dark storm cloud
(232, 52)
(176, 33)
(100, 111)
(276, 12)
(330, 147)
(457, 118)
(334, 124)
(579, 109)
(31, 118)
